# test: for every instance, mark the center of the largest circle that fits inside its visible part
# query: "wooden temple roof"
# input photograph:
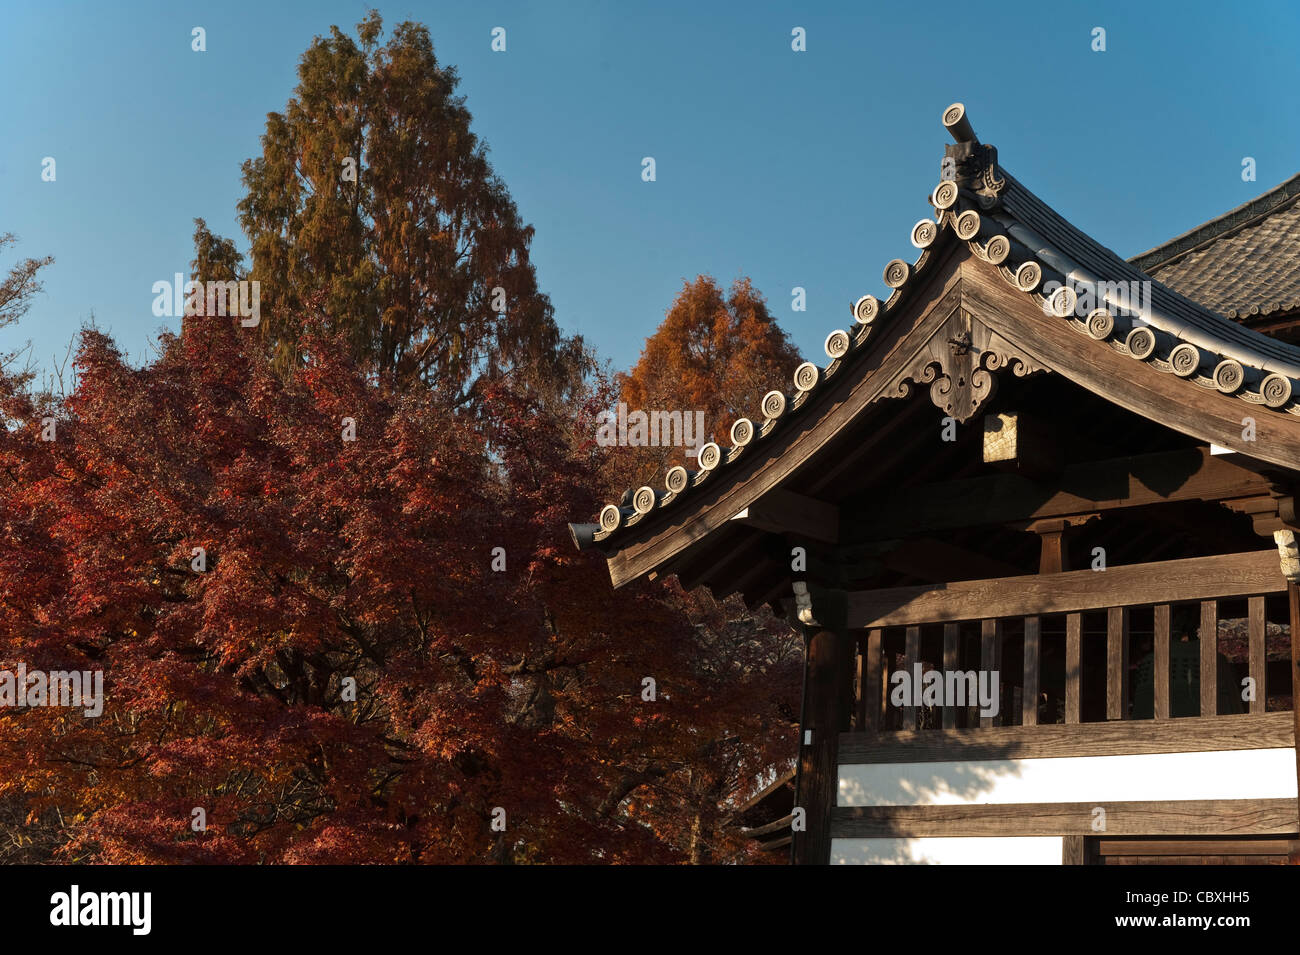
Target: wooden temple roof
(1244, 264)
(994, 293)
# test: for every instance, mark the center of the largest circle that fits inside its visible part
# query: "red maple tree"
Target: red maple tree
(343, 625)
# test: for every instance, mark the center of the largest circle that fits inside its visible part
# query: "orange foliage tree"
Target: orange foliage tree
(714, 353)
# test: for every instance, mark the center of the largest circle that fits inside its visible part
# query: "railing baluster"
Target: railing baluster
(886, 671)
(1160, 671)
(911, 654)
(1257, 660)
(951, 662)
(860, 686)
(991, 661)
(871, 684)
(1029, 701)
(1209, 657)
(1117, 663)
(1073, 665)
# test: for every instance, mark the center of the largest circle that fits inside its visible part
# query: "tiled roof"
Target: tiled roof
(1243, 264)
(1038, 252)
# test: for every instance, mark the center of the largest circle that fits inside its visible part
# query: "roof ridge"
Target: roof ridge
(1221, 226)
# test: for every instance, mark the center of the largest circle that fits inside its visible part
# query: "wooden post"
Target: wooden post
(886, 670)
(1053, 557)
(991, 661)
(1293, 595)
(874, 649)
(911, 654)
(827, 708)
(1258, 626)
(1160, 662)
(1029, 702)
(860, 686)
(951, 663)
(1210, 657)
(1073, 666)
(1073, 850)
(1117, 663)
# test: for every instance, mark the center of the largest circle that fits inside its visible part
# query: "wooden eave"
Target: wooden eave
(954, 323)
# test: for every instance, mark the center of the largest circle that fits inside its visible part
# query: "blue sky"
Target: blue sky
(796, 169)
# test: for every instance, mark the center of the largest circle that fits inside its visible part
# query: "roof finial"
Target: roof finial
(958, 126)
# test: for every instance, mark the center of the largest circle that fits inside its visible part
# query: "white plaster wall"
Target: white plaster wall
(1234, 774)
(981, 850)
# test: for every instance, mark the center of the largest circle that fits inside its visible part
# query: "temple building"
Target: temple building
(1036, 516)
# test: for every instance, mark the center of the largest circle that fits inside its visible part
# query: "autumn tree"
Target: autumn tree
(373, 189)
(346, 624)
(19, 287)
(714, 352)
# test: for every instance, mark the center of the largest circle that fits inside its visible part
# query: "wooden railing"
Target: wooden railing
(1191, 632)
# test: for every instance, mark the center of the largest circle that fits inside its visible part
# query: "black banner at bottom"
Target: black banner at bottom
(335, 905)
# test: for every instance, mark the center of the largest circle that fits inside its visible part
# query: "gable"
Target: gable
(1003, 288)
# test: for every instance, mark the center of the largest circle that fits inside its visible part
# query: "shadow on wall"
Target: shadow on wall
(930, 783)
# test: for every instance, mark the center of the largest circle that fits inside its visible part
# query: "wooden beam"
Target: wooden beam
(767, 830)
(1230, 575)
(1188, 475)
(724, 555)
(1118, 738)
(1183, 847)
(784, 512)
(1286, 322)
(785, 779)
(1274, 512)
(896, 436)
(827, 707)
(1182, 817)
(1160, 661)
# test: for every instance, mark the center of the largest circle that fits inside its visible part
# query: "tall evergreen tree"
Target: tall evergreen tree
(372, 188)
